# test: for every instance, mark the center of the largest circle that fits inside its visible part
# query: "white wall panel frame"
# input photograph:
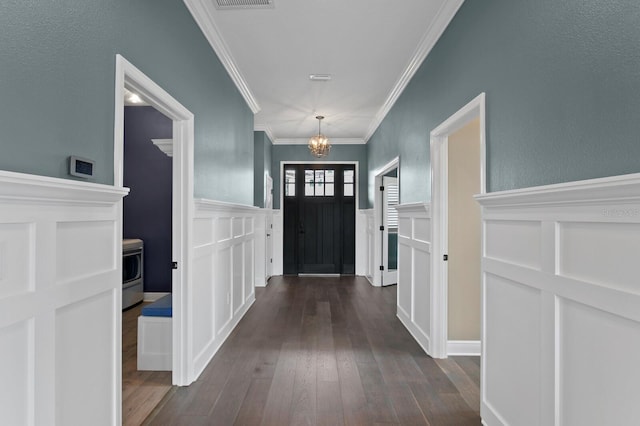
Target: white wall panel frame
(588, 318)
(414, 291)
(225, 272)
(45, 317)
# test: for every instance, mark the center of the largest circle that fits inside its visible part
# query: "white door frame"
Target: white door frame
(128, 76)
(439, 202)
(377, 217)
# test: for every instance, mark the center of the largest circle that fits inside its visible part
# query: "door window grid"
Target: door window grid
(290, 183)
(319, 183)
(349, 183)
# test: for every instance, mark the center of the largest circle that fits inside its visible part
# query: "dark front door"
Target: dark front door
(319, 219)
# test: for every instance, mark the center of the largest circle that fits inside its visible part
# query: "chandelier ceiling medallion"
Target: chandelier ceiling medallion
(319, 144)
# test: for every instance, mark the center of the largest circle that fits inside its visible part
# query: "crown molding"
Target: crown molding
(164, 145)
(444, 16)
(203, 18)
(305, 141)
(264, 128)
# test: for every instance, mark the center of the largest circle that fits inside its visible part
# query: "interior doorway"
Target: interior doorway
(128, 77)
(387, 197)
(458, 173)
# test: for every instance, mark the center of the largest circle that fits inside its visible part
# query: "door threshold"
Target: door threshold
(319, 275)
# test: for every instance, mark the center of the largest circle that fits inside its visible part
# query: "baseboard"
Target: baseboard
(463, 347)
(152, 296)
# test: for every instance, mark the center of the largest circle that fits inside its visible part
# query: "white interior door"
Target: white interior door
(390, 230)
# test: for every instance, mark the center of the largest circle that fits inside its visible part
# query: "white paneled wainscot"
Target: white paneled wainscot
(414, 271)
(224, 271)
(561, 304)
(60, 299)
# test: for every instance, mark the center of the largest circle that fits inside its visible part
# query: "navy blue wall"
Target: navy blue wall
(562, 80)
(147, 208)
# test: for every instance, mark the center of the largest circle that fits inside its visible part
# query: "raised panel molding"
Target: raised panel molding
(224, 273)
(560, 294)
(60, 301)
(414, 272)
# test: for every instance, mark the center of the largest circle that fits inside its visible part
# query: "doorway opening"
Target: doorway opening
(128, 77)
(458, 173)
(319, 203)
(387, 197)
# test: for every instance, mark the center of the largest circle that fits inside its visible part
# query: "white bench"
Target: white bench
(155, 343)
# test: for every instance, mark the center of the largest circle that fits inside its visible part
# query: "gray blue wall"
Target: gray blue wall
(262, 165)
(563, 93)
(147, 209)
(300, 153)
(57, 88)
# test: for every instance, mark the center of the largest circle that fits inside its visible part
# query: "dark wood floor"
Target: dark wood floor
(141, 390)
(325, 351)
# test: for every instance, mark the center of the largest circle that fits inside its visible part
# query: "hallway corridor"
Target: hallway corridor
(325, 351)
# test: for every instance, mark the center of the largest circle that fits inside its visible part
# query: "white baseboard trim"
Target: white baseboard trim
(463, 347)
(152, 296)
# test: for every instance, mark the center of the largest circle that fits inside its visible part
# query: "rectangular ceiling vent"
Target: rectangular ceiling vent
(243, 4)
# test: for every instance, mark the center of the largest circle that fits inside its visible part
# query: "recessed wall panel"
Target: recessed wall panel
(599, 369)
(203, 314)
(248, 225)
(238, 298)
(223, 289)
(237, 226)
(223, 228)
(84, 248)
(202, 231)
(601, 253)
(422, 291)
(517, 242)
(422, 229)
(406, 275)
(16, 373)
(85, 374)
(248, 268)
(512, 354)
(16, 259)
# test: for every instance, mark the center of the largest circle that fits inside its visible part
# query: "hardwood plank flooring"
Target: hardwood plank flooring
(141, 390)
(325, 351)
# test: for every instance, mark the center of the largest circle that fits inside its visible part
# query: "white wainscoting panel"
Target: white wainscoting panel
(368, 259)
(60, 301)
(414, 271)
(561, 304)
(224, 273)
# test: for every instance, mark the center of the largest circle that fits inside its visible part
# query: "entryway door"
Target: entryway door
(319, 219)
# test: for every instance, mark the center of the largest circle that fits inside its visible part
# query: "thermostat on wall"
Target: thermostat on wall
(81, 167)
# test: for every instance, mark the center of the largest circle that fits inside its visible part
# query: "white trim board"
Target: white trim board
(463, 348)
(377, 218)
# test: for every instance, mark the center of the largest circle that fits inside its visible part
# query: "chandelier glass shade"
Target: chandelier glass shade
(319, 144)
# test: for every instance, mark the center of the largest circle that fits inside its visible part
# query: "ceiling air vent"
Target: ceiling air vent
(243, 4)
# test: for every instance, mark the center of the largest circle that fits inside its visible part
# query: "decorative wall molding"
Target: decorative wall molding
(200, 12)
(224, 265)
(560, 295)
(60, 299)
(439, 24)
(266, 129)
(305, 141)
(164, 145)
(414, 278)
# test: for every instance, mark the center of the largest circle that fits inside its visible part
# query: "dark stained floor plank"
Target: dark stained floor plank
(325, 351)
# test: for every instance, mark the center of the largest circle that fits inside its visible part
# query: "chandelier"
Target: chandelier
(319, 144)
